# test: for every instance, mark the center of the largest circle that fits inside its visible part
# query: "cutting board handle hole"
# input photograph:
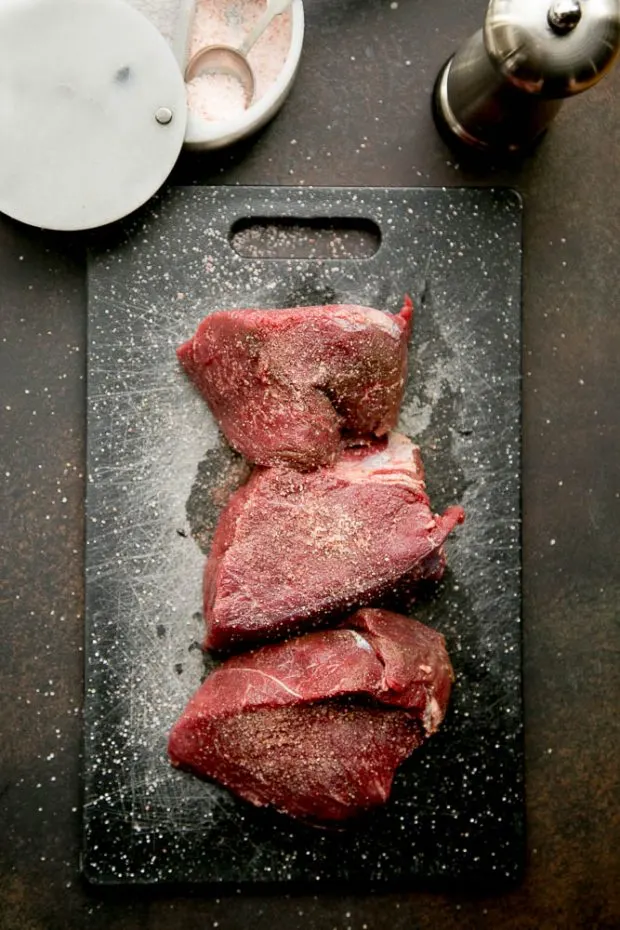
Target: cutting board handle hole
(295, 238)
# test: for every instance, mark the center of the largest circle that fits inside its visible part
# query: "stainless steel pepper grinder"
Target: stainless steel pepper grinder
(506, 83)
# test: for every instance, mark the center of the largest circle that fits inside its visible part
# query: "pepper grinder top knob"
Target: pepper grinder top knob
(564, 15)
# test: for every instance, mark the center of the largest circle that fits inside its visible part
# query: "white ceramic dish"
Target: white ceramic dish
(202, 135)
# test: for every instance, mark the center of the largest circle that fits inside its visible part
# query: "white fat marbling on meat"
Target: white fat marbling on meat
(361, 642)
(382, 320)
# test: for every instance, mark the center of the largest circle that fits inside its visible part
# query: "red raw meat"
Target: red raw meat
(284, 385)
(293, 549)
(317, 726)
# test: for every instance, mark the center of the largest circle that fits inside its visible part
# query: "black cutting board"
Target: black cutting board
(154, 460)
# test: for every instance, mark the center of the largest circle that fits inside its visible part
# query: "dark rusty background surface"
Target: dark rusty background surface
(358, 115)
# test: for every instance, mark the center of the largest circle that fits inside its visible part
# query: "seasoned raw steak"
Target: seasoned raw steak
(284, 385)
(293, 549)
(317, 726)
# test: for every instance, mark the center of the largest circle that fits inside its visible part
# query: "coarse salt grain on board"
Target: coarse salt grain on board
(217, 97)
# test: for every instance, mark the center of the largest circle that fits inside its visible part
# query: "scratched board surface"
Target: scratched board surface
(158, 472)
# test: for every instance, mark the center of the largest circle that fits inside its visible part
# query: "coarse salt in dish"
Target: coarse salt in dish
(216, 97)
(217, 115)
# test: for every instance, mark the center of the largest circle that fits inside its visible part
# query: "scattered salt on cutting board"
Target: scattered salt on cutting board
(218, 97)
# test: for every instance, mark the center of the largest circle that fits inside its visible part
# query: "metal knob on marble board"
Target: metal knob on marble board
(506, 83)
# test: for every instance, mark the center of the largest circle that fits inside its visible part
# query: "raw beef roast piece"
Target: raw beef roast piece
(317, 726)
(293, 549)
(285, 384)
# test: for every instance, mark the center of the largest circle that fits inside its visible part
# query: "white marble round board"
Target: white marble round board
(92, 111)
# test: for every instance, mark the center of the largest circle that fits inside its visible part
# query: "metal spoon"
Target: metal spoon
(224, 59)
